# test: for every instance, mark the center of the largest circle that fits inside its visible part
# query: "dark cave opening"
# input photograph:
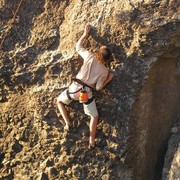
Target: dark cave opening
(154, 112)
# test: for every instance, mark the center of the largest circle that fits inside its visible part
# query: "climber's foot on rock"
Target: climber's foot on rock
(92, 146)
(67, 128)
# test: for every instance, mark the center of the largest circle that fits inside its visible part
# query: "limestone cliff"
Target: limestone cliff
(137, 109)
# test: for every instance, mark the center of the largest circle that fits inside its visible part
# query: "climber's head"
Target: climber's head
(103, 54)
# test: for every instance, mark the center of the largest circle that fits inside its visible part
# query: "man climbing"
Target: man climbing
(93, 73)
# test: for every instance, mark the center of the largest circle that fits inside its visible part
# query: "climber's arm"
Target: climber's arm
(109, 78)
(102, 83)
(79, 46)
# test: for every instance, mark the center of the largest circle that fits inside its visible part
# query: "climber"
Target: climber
(93, 74)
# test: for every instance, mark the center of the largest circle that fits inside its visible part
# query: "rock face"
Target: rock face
(172, 158)
(137, 109)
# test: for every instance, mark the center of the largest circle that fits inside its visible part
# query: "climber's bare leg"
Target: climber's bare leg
(63, 112)
(92, 128)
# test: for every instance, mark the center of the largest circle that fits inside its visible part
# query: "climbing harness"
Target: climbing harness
(83, 97)
(68, 93)
(81, 82)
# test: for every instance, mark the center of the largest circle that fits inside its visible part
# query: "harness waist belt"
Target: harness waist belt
(81, 82)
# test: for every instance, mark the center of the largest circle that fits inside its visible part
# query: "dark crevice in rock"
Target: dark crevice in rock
(154, 112)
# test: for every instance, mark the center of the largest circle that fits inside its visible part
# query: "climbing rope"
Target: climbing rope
(10, 24)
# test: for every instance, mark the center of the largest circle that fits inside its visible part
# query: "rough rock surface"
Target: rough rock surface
(137, 109)
(171, 169)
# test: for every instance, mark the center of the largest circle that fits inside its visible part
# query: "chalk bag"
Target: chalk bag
(83, 97)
